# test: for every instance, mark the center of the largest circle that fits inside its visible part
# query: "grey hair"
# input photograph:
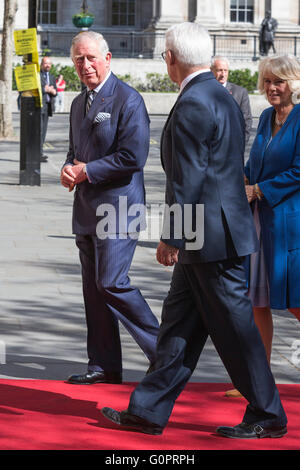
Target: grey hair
(219, 58)
(286, 67)
(190, 43)
(92, 36)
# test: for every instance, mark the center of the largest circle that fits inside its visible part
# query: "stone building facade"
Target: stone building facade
(135, 28)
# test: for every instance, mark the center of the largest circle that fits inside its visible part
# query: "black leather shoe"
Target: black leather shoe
(251, 431)
(129, 421)
(44, 158)
(96, 378)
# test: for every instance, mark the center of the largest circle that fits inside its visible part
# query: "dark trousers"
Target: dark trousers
(208, 299)
(109, 297)
(44, 122)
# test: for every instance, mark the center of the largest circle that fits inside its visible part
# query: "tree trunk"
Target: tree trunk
(10, 10)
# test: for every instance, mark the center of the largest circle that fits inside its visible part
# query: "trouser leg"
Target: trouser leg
(109, 297)
(181, 339)
(221, 295)
(217, 293)
(114, 257)
(103, 338)
(44, 126)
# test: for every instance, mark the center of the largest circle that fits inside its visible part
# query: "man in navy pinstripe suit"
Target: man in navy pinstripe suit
(202, 153)
(109, 143)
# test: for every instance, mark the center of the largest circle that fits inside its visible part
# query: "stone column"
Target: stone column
(166, 13)
(287, 16)
(206, 13)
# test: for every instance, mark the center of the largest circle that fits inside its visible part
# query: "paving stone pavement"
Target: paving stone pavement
(42, 323)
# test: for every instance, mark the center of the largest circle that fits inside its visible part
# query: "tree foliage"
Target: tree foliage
(10, 10)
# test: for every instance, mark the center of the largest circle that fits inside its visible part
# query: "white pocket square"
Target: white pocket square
(102, 117)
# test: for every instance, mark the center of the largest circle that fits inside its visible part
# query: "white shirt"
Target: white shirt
(98, 88)
(190, 77)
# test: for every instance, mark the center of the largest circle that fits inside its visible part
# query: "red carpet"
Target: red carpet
(52, 415)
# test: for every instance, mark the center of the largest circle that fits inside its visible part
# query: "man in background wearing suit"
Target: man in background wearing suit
(109, 144)
(48, 84)
(220, 69)
(202, 150)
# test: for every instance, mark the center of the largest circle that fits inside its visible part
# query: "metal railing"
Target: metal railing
(150, 45)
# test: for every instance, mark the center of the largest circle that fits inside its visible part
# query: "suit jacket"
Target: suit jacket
(48, 107)
(240, 95)
(115, 147)
(276, 169)
(202, 153)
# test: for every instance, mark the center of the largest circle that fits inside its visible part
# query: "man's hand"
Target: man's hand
(166, 254)
(73, 174)
(50, 89)
(67, 177)
(250, 193)
(78, 168)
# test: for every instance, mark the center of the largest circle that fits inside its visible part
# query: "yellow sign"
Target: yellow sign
(26, 41)
(28, 78)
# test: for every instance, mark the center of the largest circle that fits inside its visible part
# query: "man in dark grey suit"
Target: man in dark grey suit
(48, 85)
(220, 69)
(202, 151)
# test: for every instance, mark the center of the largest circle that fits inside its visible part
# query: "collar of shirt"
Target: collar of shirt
(224, 84)
(98, 88)
(190, 77)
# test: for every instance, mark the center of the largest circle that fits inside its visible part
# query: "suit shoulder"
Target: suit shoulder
(239, 88)
(126, 91)
(78, 98)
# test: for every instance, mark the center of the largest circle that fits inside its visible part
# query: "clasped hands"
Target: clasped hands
(73, 174)
(252, 191)
(50, 89)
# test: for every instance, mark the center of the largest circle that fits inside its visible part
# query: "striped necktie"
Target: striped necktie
(89, 101)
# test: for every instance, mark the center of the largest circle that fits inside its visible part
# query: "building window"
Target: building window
(241, 11)
(123, 13)
(47, 12)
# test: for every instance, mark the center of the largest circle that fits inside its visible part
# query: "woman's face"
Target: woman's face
(277, 90)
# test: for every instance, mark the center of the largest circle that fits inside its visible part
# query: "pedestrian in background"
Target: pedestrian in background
(60, 87)
(220, 69)
(48, 85)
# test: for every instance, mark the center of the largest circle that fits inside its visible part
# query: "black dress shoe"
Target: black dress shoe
(96, 378)
(44, 158)
(129, 421)
(251, 431)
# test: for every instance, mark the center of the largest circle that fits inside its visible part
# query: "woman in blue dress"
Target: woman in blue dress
(272, 178)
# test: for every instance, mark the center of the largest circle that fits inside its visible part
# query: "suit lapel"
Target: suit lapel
(103, 97)
(229, 87)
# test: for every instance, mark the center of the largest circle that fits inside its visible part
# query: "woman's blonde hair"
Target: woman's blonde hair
(287, 68)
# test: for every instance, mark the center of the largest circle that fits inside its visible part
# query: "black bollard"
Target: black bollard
(30, 142)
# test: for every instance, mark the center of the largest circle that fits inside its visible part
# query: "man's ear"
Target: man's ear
(172, 57)
(108, 58)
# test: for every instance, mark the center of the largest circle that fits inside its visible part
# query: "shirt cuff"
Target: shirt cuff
(87, 174)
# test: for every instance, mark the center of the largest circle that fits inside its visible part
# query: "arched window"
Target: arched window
(123, 13)
(241, 11)
(47, 12)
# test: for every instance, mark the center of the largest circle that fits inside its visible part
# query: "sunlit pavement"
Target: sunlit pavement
(42, 322)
